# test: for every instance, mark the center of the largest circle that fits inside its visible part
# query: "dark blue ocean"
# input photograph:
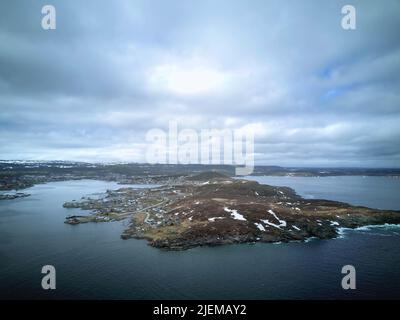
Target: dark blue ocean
(92, 262)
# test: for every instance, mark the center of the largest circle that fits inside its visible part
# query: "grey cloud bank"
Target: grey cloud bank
(314, 93)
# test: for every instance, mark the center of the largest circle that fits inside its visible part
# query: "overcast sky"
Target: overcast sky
(315, 94)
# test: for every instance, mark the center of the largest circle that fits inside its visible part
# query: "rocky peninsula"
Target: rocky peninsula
(211, 208)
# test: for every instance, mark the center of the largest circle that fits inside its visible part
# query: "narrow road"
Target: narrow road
(138, 211)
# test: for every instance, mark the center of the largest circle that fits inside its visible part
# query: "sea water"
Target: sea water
(93, 262)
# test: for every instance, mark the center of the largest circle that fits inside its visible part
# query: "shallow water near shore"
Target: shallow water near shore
(93, 262)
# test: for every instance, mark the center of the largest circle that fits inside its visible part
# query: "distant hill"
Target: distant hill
(208, 175)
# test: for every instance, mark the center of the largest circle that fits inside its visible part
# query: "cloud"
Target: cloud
(313, 93)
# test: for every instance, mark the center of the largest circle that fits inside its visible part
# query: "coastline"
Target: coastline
(223, 211)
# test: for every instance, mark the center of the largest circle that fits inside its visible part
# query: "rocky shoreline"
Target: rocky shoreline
(214, 209)
(13, 196)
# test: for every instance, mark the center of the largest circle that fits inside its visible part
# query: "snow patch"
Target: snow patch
(259, 226)
(282, 223)
(215, 218)
(235, 215)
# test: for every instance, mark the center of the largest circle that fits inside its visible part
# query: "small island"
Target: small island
(211, 208)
